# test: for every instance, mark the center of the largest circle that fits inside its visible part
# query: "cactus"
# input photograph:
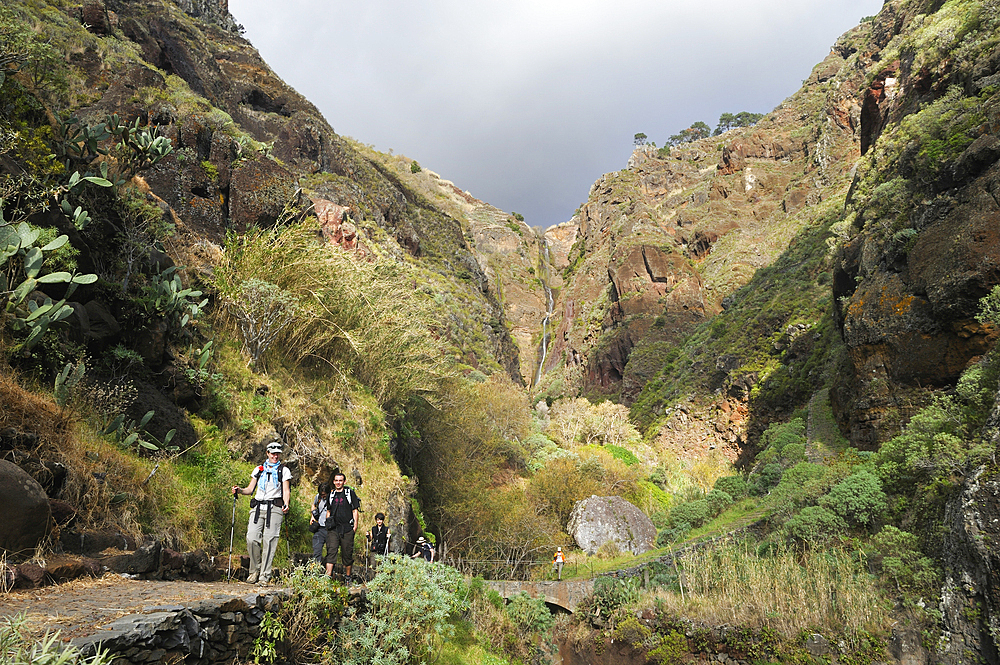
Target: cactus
(67, 379)
(19, 242)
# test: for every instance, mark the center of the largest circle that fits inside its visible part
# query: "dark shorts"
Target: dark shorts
(345, 541)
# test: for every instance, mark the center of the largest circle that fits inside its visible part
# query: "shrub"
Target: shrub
(734, 486)
(672, 649)
(360, 317)
(718, 501)
(694, 513)
(610, 594)
(578, 421)
(778, 435)
(529, 614)
(414, 167)
(767, 478)
(622, 454)
(665, 537)
(409, 605)
(262, 310)
(897, 555)
(793, 453)
(858, 498)
(803, 483)
(815, 524)
(931, 446)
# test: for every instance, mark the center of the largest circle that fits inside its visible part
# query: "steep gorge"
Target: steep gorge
(839, 247)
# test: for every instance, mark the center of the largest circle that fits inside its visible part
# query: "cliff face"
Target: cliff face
(249, 149)
(662, 247)
(923, 245)
(889, 151)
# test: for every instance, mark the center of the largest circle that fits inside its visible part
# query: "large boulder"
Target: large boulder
(26, 510)
(601, 519)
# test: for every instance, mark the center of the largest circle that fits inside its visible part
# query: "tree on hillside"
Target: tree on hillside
(698, 130)
(640, 139)
(729, 121)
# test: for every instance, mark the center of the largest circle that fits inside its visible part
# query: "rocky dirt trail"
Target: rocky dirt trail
(84, 607)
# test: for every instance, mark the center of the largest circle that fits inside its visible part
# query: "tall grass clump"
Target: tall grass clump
(364, 318)
(785, 590)
(16, 648)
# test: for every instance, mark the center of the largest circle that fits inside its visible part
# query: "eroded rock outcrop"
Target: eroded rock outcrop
(924, 244)
(603, 519)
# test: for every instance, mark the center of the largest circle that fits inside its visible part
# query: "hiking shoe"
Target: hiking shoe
(253, 578)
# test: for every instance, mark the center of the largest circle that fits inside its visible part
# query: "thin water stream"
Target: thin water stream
(544, 263)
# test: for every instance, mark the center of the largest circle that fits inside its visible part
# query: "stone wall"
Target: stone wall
(215, 630)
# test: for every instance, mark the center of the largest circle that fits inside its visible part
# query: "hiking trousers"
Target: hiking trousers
(262, 544)
(319, 540)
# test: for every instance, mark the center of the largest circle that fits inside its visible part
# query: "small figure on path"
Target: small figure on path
(317, 521)
(378, 540)
(423, 549)
(557, 562)
(341, 524)
(268, 508)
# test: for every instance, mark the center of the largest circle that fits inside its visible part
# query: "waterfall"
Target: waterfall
(543, 275)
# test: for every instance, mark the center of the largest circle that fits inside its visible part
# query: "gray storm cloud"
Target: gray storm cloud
(525, 104)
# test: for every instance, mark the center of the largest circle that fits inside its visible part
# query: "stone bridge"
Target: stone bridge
(566, 594)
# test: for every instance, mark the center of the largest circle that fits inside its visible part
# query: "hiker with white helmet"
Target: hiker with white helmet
(270, 485)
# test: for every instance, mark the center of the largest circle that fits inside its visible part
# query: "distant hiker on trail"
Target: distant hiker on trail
(268, 508)
(378, 540)
(341, 524)
(423, 549)
(317, 521)
(557, 562)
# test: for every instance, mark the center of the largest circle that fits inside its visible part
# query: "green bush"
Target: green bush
(815, 524)
(766, 478)
(932, 446)
(665, 537)
(778, 435)
(718, 501)
(734, 486)
(529, 614)
(414, 167)
(897, 555)
(610, 594)
(694, 513)
(409, 603)
(803, 483)
(622, 454)
(793, 453)
(859, 498)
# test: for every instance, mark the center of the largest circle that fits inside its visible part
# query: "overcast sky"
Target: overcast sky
(525, 103)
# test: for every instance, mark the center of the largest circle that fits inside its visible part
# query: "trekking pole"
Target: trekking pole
(288, 546)
(232, 531)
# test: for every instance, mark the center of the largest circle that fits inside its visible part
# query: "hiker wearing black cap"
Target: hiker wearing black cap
(270, 486)
(378, 540)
